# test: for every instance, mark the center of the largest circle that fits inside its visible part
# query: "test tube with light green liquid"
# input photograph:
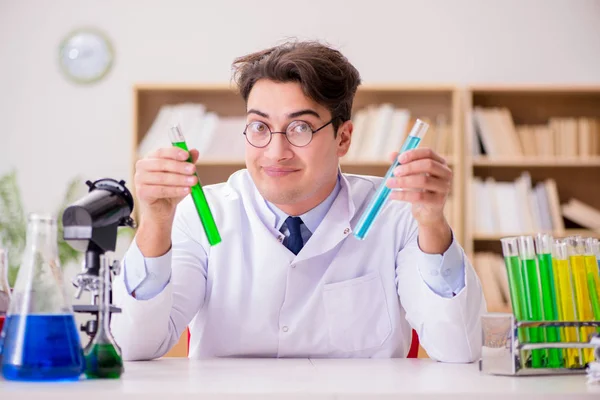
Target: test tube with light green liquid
(566, 299)
(206, 217)
(543, 247)
(532, 295)
(516, 286)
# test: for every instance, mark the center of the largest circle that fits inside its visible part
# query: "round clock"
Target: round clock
(86, 56)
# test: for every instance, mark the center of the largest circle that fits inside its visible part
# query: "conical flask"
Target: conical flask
(102, 355)
(41, 340)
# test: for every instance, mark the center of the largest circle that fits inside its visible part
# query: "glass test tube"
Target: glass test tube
(378, 201)
(206, 217)
(566, 299)
(516, 286)
(543, 245)
(532, 292)
(596, 250)
(593, 279)
(582, 293)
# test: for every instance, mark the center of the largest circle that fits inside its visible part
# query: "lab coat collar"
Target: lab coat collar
(334, 228)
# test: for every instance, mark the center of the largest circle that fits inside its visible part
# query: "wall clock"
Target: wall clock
(86, 56)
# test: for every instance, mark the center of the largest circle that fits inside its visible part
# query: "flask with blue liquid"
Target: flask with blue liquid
(41, 341)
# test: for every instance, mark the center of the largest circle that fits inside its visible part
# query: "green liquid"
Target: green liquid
(549, 303)
(516, 286)
(594, 297)
(534, 309)
(206, 217)
(103, 361)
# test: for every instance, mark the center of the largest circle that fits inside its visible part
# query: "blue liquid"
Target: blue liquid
(368, 217)
(42, 347)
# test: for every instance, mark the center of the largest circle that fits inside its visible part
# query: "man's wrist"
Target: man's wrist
(435, 238)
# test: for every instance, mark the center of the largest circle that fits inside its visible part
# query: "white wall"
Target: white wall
(45, 120)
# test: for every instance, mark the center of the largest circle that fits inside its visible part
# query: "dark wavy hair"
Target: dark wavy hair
(324, 74)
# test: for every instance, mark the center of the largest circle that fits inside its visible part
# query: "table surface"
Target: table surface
(171, 378)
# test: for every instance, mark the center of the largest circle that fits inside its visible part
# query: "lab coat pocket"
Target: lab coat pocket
(357, 313)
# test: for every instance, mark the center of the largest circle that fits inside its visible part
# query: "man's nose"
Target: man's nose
(279, 148)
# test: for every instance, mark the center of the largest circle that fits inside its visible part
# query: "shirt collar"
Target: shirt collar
(311, 218)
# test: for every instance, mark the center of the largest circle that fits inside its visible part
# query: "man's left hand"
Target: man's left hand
(425, 180)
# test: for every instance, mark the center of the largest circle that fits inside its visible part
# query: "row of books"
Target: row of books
(520, 206)
(497, 136)
(215, 137)
(491, 271)
(379, 130)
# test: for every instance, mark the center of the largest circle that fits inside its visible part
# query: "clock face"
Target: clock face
(86, 56)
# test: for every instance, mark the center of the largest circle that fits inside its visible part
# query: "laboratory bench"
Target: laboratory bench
(227, 378)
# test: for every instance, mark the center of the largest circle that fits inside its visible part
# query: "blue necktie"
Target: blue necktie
(294, 241)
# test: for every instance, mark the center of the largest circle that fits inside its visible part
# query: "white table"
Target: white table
(302, 379)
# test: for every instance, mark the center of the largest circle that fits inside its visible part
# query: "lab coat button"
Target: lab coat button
(285, 329)
(446, 272)
(280, 239)
(346, 231)
(293, 265)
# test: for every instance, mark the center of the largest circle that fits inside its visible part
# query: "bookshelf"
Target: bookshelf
(567, 156)
(424, 101)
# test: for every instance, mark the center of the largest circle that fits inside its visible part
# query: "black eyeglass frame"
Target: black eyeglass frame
(313, 131)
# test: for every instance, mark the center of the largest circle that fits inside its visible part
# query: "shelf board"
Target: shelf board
(567, 232)
(537, 162)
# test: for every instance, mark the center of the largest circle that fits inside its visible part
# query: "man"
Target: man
(289, 279)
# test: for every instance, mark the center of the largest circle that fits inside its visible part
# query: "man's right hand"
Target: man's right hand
(162, 180)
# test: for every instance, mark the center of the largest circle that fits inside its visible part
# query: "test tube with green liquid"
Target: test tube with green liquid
(593, 278)
(566, 299)
(206, 217)
(582, 293)
(533, 302)
(516, 286)
(543, 247)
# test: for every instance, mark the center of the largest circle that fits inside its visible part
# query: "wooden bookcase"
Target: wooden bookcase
(422, 100)
(577, 177)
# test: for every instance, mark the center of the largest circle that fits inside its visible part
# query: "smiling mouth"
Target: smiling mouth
(278, 171)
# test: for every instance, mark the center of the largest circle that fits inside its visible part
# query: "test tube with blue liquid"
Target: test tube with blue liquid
(383, 192)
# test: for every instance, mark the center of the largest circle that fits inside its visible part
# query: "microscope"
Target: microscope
(90, 225)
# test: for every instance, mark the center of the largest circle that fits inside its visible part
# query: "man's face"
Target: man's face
(284, 174)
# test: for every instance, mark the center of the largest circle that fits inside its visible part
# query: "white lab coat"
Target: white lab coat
(339, 297)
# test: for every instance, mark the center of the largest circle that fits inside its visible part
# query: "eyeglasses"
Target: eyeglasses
(298, 133)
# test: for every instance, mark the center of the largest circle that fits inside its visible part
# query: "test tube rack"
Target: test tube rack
(501, 351)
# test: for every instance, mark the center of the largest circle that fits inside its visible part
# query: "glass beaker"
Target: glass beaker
(41, 340)
(102, 356)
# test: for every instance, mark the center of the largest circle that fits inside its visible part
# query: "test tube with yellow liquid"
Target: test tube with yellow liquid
(593, 278)
(576, 250)
(566, 300)
(543, 248)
